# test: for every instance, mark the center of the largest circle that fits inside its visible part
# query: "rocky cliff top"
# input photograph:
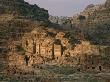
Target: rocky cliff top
(98, 23)
(107, 3)
(22, 9)
(93, 23)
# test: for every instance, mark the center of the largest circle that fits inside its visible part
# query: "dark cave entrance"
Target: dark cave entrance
(100, 68)
(26, 60)
(34, 48)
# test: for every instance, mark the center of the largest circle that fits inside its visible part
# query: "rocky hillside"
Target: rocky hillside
(92, 24)
(18, 17)
(64, 22)
(31, 50)
(107, 4)
(72, 22)
(99, 25)
(21, 9)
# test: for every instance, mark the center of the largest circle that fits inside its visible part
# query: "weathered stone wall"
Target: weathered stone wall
(41, 45)
(47, 47)
(57, 51)
(16, 60)
(40, 48)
